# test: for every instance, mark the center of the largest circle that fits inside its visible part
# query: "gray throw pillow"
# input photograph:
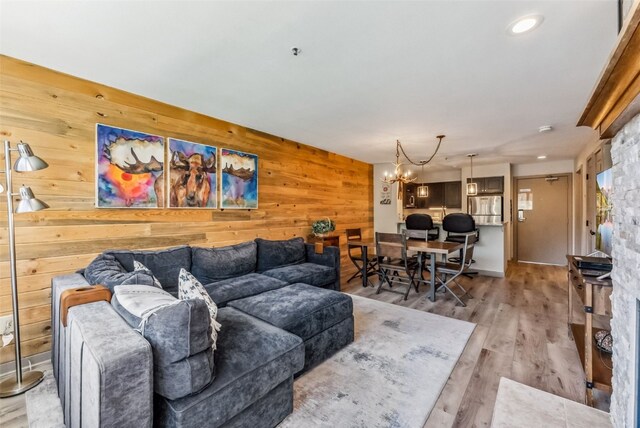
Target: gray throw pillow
(139, 267)
(273, 254)
(107, 270)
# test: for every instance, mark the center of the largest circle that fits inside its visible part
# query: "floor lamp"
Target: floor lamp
(28, 203)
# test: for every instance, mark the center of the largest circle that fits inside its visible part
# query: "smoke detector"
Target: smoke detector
(545, 128)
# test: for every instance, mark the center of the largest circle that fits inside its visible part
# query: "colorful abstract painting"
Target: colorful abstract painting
(239, 179)
(130, 168)
(192, 175)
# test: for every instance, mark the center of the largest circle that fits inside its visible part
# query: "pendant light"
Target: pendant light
(472, 188)
(423, 189)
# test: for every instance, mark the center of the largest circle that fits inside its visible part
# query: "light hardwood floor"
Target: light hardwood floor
(521, 334)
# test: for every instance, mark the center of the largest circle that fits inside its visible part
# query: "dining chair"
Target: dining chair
(421, 226)
(448, 273)
(457, 226)
(355, 255)
(394, 267)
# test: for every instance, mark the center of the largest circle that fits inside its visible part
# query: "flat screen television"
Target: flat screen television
(604, 222)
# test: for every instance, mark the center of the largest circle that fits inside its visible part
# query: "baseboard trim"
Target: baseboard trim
(540, 263)
(30, 361)
(491, 273)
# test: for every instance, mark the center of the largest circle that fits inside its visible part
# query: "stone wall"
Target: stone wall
(626, 271)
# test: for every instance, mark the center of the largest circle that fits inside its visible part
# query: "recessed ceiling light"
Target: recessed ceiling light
(525, 24)
(545, 128)
(542, 157)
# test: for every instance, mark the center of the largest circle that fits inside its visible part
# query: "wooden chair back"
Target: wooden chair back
(391, 246)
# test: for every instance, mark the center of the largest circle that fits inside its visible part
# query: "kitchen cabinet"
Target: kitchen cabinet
(410, 197)
(488, 185)
(448, 194)
(493, 185)
(453, 194)
(436, 195)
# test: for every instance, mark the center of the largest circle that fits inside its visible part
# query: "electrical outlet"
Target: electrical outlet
(6, 330)
(6, 324)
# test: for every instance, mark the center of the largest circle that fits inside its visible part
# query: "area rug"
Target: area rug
(390, 376)
(43, 406)
(519, 405)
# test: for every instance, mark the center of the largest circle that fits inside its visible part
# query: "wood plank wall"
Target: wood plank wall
(56, 114)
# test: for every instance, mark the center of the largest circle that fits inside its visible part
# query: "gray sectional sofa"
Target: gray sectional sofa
(280, 310)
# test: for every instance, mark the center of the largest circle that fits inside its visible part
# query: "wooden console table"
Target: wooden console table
(594, 295)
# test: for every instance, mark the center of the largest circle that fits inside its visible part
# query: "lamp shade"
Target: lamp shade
(472, 189)
(423, 191)
(27, 160)
(28, 202)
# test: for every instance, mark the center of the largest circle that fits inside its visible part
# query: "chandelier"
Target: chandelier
(400, 177)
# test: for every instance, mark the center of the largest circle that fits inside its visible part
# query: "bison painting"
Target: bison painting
(192, 175)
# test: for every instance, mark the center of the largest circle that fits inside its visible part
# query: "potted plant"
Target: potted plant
(323, 227)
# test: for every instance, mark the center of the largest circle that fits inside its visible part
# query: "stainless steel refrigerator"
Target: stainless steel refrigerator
(485, 209)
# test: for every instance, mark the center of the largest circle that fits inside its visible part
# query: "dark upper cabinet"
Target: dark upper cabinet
(448, 194)
(436, 195)
(410, 199)
(488, 184)
(494, 185)
(453, 194)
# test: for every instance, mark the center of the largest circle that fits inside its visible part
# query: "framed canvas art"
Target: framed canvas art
(129, 168)
(192, 175)
(239, 182)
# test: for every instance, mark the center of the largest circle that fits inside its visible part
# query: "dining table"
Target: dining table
(422, 247)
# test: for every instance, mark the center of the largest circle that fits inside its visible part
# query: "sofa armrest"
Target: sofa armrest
(109, 366)
(330, 257)
(59, 284)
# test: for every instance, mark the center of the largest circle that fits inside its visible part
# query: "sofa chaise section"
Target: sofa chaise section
(252, 359)
(322, 318)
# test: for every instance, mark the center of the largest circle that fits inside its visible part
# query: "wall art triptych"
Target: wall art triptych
(131, 172)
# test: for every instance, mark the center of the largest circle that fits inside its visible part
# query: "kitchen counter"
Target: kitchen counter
(502, 223)
(491, 250)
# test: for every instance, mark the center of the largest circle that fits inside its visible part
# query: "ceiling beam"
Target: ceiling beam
(616, 97)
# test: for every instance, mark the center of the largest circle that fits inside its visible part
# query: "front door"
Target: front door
(542, 224)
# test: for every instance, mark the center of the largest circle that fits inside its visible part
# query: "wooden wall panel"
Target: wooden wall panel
(56, 114)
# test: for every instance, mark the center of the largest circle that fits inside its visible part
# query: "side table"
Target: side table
(324, 241)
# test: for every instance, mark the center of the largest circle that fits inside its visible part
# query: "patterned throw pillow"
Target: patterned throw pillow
(137, 267)
(190, 288)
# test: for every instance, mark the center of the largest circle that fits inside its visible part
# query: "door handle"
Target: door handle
(591, 232)
(521, 218)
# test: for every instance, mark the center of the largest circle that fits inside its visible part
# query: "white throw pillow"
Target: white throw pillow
(143, 301)
(137, 266)
(190, 288)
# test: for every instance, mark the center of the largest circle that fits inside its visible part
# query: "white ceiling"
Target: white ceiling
(369, 73)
